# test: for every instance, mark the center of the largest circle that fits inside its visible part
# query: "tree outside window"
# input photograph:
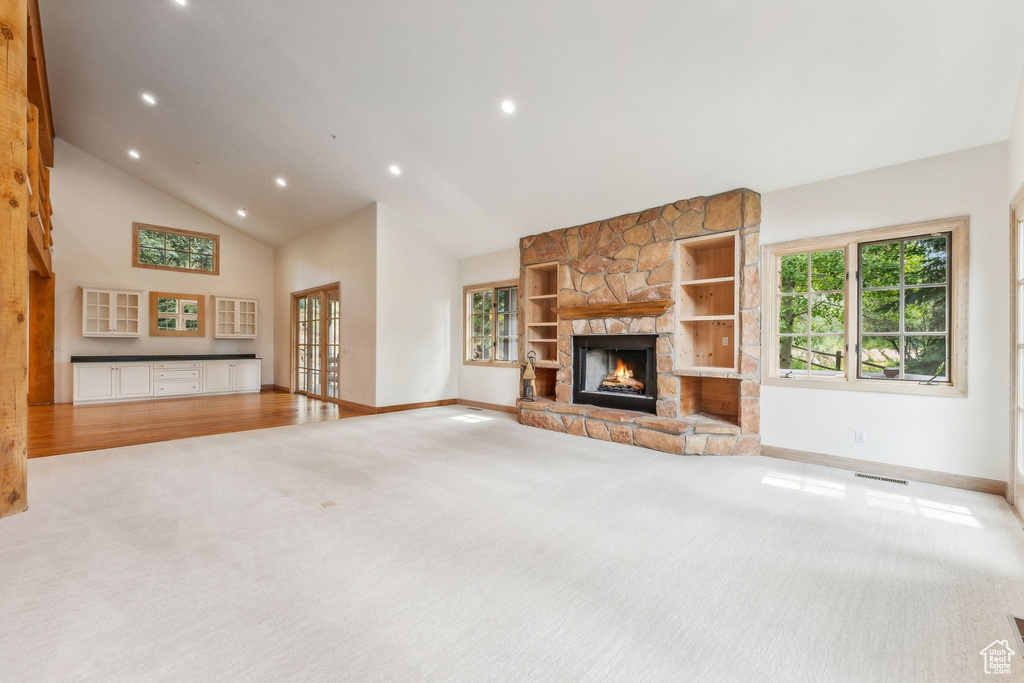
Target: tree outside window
(904, 310)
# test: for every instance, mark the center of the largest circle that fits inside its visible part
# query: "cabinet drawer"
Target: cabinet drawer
(177, 365)
(176, 388)
(178, 374)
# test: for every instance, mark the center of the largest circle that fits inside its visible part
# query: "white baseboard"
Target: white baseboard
(959, 481)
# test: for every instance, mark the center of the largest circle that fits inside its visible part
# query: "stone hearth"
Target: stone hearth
(631, 260)
(692, 435)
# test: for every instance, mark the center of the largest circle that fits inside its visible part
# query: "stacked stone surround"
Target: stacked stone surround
(631, 259)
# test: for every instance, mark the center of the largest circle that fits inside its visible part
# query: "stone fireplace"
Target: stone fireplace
(588, 289)
(615, 371)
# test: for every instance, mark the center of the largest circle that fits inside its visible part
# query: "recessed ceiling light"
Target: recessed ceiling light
(395, 169)
(148, 98)
(181, 2)
(133, 154)
(281, 181)
(508, 106)
(241, 212)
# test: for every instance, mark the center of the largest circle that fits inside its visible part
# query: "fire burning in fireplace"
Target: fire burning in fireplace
(621, 380)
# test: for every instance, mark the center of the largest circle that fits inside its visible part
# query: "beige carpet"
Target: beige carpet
(464, 547)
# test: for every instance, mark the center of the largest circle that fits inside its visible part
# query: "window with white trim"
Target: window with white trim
(877, 310)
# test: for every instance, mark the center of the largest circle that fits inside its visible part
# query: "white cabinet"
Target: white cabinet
(235, 318)
(94, 382)
(177, 378)
(110, 312)
(231, 376)
(132, 381)
(246, 376)
(217, 376)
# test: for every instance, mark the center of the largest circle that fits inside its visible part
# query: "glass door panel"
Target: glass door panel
(247, 318)
(97, 311)
(225, 316)
(317, 341)
(1017, 475)
(333, 343)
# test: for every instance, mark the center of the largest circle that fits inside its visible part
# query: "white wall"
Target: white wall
(94, 207)
(477, 383)
(956, 435)
(416, 323)
(1016, 163)
(345, 252)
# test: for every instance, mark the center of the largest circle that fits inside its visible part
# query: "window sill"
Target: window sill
(491, 363)
(874, 386)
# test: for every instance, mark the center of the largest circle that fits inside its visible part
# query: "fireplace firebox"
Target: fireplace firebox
(615, 371)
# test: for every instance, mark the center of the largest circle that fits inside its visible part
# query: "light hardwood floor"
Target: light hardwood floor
(64, 428)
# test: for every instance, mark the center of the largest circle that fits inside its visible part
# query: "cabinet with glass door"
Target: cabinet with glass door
(235, 318)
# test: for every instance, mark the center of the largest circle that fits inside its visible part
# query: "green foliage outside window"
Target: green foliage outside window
(904, 309)
(493, 325)
(174, 250)
(812, 313)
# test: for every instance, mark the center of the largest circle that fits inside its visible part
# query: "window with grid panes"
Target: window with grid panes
(876, 310)
(492, 324)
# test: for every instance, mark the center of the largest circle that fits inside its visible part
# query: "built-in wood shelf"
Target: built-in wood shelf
(707, 281)
(698, 318)
(707, 303)
(631, 309)
(540, 294)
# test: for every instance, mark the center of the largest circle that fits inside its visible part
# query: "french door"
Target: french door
(317, 341)
(1016, 488)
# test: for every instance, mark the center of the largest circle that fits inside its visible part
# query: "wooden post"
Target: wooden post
(13, 257)
(42, 293)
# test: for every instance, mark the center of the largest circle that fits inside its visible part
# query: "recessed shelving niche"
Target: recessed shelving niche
(540, 330)
(707, 298)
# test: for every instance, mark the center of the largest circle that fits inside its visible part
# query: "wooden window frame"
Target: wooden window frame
(136, 263)
(467, 292)
(771, 255)
(324, 291)
(154, 315)
(1015, 485)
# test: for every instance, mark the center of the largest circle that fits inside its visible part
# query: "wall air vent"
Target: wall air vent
(877, 478)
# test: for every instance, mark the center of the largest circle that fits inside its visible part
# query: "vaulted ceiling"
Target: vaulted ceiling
(620, 105)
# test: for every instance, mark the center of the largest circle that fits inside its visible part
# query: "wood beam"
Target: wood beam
(41, 305)
(40, 259)
(13, 257)
(38, 85)
(633, 308)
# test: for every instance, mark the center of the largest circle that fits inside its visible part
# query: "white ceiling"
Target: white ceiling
(621, 105)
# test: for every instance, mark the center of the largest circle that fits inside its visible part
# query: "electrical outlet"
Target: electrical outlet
(725, 341)
(858, 436)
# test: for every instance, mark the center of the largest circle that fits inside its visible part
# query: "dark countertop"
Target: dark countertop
(156, 359)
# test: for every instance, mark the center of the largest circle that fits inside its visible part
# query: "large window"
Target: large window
(173, 249)
(881, 310)
(492, 323)
(904, 295)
